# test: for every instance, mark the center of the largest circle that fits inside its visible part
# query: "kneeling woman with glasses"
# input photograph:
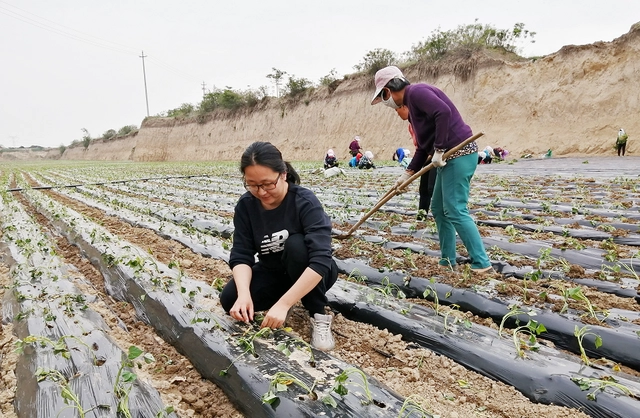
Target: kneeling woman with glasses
(286, 226)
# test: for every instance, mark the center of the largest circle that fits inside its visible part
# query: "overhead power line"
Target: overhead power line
(62, 30)
(174, 70)
(41, 22)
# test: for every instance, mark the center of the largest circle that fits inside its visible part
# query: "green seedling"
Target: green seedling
(165, 412)
(449, 265)
(431, 291)
(387, 289)
(412, 407)
(137, 264)
(534, 276)
(576, 294)
(514, 234)
(59, 347)
(71, 301)
(218, 283)
(290, 344)
(204, 316)
(125, 378)
(405, 311)
(629, 267)
(343, 377)
(580, 333)
(280, 382)
(408, 255)
(611, 249)
(247, 343)
(356, 276)
(614, 270)
(565, 266)
(498, 253)
(69, 397)
(600, 385)
(532, 328)
(454, 308)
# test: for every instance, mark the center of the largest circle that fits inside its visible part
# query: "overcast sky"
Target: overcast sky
(72, 64)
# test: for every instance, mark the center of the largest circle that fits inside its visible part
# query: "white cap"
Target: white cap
(369, 155)
(382, 77)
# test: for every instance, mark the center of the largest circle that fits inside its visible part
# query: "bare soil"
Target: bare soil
(445, 388)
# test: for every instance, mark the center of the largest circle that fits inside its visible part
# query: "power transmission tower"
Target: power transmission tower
(144, 74)
(203, 89)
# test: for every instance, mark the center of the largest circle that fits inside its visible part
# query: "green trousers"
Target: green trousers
(449, 206)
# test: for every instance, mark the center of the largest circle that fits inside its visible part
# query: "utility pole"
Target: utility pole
(203, 89)
(144, 74)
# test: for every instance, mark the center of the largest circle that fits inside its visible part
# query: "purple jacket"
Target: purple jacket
(436, 122)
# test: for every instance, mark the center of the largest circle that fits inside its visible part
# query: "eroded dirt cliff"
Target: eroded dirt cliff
(573, 101)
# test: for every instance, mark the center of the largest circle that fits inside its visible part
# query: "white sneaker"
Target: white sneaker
(321, 337)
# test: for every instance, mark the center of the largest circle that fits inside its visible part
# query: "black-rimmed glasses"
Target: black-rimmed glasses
(266, 186)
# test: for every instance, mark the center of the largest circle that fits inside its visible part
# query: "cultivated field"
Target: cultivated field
(110, 274)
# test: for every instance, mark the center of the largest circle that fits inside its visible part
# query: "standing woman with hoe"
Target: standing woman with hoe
(439, 127)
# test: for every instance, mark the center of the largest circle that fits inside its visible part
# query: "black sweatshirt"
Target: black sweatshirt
(263, 232)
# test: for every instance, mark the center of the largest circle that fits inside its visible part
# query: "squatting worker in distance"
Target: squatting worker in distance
(287, 227)
(439, 127)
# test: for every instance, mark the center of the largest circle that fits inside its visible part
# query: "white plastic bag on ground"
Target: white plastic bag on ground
(333, 171)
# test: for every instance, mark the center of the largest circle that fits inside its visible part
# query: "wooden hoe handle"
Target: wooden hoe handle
(394, 190)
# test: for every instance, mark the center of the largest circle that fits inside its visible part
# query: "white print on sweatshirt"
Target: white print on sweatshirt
(275, 243)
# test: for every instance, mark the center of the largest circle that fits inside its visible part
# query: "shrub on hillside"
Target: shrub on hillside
(297, 86)
(127, 129)
(108, 134)
(475, 36)
(86, 139)
(184, 110)
(230, 99)
(329, 78)
(375, 60)
(208, 103)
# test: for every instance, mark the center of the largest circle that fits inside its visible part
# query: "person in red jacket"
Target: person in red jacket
(354, 146)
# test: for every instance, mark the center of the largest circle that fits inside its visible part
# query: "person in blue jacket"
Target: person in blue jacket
(286, 227)
(399, 154)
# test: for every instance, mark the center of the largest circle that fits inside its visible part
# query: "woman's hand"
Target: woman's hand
(275, 316)
(242, 310)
